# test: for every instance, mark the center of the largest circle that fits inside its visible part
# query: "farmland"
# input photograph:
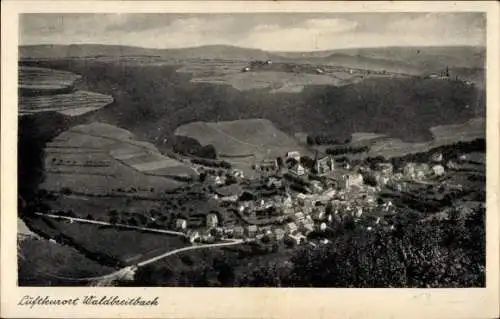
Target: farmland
(42, 80)
(91, 159)
(71, 104)
(109, 245)
(393, 147)
(46, 90)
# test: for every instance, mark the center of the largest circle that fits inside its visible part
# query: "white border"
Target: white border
(249, 302)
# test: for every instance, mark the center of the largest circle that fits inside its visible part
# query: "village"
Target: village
(303, 199)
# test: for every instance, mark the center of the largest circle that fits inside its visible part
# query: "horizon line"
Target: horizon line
(247, 48)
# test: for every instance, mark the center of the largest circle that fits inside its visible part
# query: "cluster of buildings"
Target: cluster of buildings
(312, 197)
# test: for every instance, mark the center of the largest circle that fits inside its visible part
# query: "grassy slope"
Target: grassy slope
(241, 137)
(42, 263)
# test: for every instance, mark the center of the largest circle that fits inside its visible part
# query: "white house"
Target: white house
(298, 169)
(194, 236)
(293, 154)
(251, 230)
(438, 170)
(212, 220)
(181, 224)
(291, 228)
(322, 226)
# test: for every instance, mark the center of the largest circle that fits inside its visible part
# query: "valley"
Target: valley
(190, 141)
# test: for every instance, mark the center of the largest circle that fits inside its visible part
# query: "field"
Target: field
(380, 145)
(255, 138)
(110, 244)
(42, 263)
(46, 90)
(71, 104)
(89, 159)
(45, 80)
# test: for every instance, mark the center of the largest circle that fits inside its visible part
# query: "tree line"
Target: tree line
(326, 139)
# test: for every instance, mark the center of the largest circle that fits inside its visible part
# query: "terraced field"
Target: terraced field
(99, 159)
(46, 90)
(71, 104)
(35, 78)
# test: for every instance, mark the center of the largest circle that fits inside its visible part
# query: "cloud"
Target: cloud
(330, 25)
(274, 32)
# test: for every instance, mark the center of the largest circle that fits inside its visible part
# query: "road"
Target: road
(128, 272)
(96, 222)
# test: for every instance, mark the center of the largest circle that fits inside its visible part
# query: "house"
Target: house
(437, 157)
(193, 236)
(409, 170)
(324, 165)
(238, 231)
(352, 179)
(287, 201)
(233, 190)
(180, 224)
(358, 212)
(251, 230)
(216, 179)
(385, 168)
(325, 241)
(381, 178)
(307, 227)
(291, 228)
(298, 238)
(438, 170)
(299, 216)
(237, 173)
(322, 227)
(293, 154)
(274, 182)
(297, 169)
(212, 220)
(316, 186)
(319, 213)
(279, 233)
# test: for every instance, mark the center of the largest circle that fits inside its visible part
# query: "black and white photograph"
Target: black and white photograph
(258, 149)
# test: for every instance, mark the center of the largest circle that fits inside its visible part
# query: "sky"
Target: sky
(271, 31)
